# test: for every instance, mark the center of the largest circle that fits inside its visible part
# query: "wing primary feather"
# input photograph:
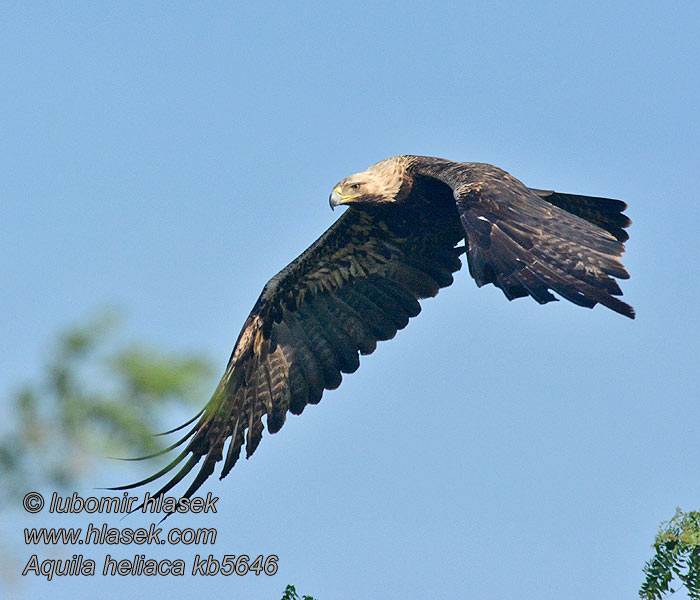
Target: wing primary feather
(203, 474)
(179, 476)
(534, 285)
(590, 295)
(169, 467)
(181, 441)
(179, 427)
(234, 450)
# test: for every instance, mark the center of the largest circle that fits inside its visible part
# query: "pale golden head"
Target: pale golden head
(382, 183)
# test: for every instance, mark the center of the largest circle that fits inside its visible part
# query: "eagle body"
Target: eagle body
(408, 221)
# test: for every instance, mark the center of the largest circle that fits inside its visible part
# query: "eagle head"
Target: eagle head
(384, 182)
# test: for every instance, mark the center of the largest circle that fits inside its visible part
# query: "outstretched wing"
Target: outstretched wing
(359, 283)
(528, 246)
(528, 242)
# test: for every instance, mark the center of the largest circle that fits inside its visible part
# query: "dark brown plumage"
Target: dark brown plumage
(360, 282)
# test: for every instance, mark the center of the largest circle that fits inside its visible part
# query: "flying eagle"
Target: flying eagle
(408, 221)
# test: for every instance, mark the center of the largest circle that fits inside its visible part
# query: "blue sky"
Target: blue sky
(170, 158)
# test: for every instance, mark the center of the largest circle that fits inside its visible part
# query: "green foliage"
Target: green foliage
(677, 555)
(290, 593)
(94, 398)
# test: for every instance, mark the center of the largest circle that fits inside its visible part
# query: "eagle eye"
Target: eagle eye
(355, 186)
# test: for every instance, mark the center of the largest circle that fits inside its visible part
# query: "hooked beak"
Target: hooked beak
(337, 197)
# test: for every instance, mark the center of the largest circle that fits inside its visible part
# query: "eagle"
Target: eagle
(408, 221)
